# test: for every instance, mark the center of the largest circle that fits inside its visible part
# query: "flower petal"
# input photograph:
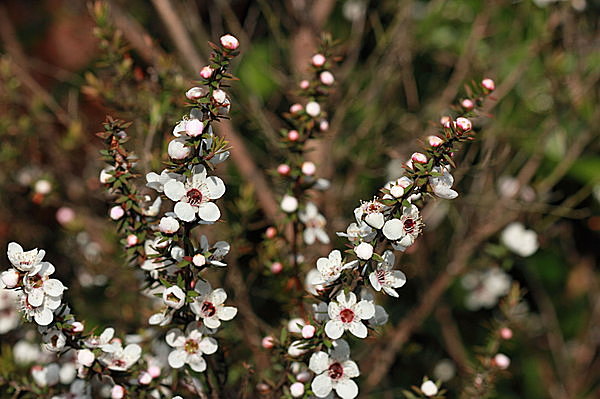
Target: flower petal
(318, 362)
(227, 313)
(364, 309)
(216, 187)
(218, 296)
(53, 287)
(209, 212)
(393, 229)
(351, 369)
(346, 389)
(175, 338)
(208, 345)
(43, 317)
(335, 328)
(197, 363)
(185, 211)
(321, 385)
(177, 358)
(358, 329)
(174, 189)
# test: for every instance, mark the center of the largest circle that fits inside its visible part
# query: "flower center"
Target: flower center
(194, 196)
(208, 309)
(409, 225)
(347, 315)
(36, 281)
(381, 276)
(191, 346)
(336, 371)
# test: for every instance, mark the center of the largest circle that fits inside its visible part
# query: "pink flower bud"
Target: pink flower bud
(284, 169)
(154, 371)
(85, 357)
(295, 108)
(506, 333)
(304, 376)
(199, 260)
(145, 378)
(467, 104)
(168, 225)
(488, 84)
(293, 135)
(318, 60)
(276, 267)
(65, 215)
(10, 278)
(271, 232)
(194, 127)
(297, 389)
(445, 121)
(195, 93)
(308, 168)
(305, 84)
(229, 42)
(308, 331)
(501, 361)
(313, 109)
(132, 240)
(117, 392)
(463, 124)
(435, 141)
(324, 125)
(418, 157)
(206, 72)
(178, 149)
(268, 342)
(116, 212)
(77, 327)
(326, 78)
(219, 96)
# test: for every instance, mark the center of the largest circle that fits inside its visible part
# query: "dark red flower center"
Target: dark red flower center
(208, 309)
(194, 196)
(409, 225)
(336, 371)
(347, 315)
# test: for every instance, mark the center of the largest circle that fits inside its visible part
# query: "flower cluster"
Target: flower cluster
(341, 283)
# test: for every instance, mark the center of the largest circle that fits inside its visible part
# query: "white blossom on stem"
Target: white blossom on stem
(334, 371)
(209, 305)
(404, 230)
(189, 347)
(331, 267)
(347, 314)
(314, 225)
(441, 185)
(384, 277)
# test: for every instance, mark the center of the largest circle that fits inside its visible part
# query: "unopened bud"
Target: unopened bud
(435, 141)
(271, 232)
(276, 267)
(501, 361)
(117, 392)
(178, 149)
(284, 169)
(308, 168)
(463, 124)
(116, 212)
(194, 127)
(506, 333)
(145, 378)
(77, 327)
(488, 84)
(318, 60)
(324, 125)
(418, 157)
(293, 135)
(313, 109)
(297, 389)
(195, 93)
(10, 278)
(220, 96)
(206, 72)
(268, 342)
(326, 78)
(199, 260)
(308, 331)
(295, 108)
(445, 121)
(229, 42)
(305, 84)
(154, 371)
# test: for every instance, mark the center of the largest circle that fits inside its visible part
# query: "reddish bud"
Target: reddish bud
(318, 60)
(276, 267)
(293, 135)
(488, 84)
(418, 157)
(271, 232)
(467, 104)
(284, 169)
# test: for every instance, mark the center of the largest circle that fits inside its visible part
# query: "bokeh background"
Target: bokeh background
(402, 64)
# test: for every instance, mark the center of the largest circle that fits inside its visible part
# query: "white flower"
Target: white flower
(168, 225)
(106, 175)
(364, 250)
(174, 297)
(54, 340)
(441, 185)
(403, 231)
(331, 267)
(157, 182)
(189, 347)
(10, 278)
(24, 261)
(209, 305)
(194, 196)
(314, 224)
(153, 209)
(429, 388)
(229, 42)
(358, 232)
(102, 341)
(347, 314)
(519, 240)
(385, 278)
(334, 372)
(372, 213)
(178, 149)
(289, 204)
(313, 109)
(85, 357)
(211, 254)
(117, 358)
(46, 376)
(381, 317)
(396, 187)
(485, 287)
(41, 295)
(8, 309)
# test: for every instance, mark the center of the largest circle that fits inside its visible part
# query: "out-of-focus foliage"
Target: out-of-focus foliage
(402, 65)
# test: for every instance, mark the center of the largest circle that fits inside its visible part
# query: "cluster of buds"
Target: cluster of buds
(341, 284)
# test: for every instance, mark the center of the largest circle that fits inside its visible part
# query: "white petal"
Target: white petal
(309, 236)
(340, 351)
(198, 175)
(318, 362)
(358, 329)
(393, 229)
(53, 287)
(364, 309)
(175, 338)
(177, 358)
(374, 281)
(52, 302)
(185, 211)
(375, 220)
(322, 236)
(132, 353)
(216, 187)
(209, 212)
(333, 310)
(208, 345)
(334, 329)
(346, 389)
(321, 385)
(175, 190)
(227, 313)
(218, 296)
(35, 297)
(43, 317)
(398, 279)
(212, 322)
(197, 363)
(203, 288)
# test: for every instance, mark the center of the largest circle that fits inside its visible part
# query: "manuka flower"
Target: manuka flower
(314, 224)
(404, 230)
(347, 314)
(331, 267)
(189, 347)
(372, 213)
(441, 185)
(385, 278)
(193, 197)
(334, 371)
(24, 261)
(209, 305)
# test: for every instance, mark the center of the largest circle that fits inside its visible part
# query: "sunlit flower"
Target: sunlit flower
(189, 347)
(209, 305)
(314, 224)
(384, 277)
(334, 371)
(519, 240)
(404, 230)
(347, 314)
(441, 185)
